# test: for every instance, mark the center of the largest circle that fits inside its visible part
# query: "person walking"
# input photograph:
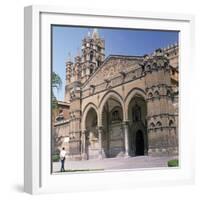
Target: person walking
(62, 159)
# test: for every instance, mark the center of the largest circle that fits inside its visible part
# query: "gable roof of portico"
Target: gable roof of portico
(112, 66)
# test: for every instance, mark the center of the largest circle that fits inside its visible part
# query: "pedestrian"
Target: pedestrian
(62, 159)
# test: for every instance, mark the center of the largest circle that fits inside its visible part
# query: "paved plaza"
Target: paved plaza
(114, 163)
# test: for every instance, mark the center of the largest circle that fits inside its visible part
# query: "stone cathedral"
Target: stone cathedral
(118, 105)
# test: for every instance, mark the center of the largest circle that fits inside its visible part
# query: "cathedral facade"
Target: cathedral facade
(119, 105)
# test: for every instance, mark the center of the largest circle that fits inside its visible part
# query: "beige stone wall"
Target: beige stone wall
(121, 79)
(60, 133)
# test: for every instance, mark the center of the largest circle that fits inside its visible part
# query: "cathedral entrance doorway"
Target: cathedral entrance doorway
(139, 143)
(137, 113)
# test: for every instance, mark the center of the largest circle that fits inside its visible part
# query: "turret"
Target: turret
(161, 118)
(69, 76)
(69, 66)
(77, 68)
(74, 96)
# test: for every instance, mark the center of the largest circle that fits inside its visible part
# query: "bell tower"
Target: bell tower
(93, 54)
(77, 72)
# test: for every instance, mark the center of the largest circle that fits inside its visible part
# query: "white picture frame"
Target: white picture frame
(37, 174)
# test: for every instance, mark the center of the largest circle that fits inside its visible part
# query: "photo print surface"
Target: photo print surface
(114, 99)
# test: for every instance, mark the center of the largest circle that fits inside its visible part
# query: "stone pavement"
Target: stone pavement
(115, 163)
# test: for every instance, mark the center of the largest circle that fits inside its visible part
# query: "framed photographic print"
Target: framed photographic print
(106, 99)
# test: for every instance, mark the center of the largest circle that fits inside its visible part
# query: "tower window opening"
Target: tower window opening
(98, 48)
(91, 56)
(91, 70)
(98, 63)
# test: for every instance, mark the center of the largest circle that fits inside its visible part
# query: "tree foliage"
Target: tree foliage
(56, 83)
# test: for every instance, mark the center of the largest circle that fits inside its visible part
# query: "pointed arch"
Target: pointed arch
(152, 125)
(156, 93)
(87, 108)
(132, 93)
(105, 98)
(150, 95)
(158, 124)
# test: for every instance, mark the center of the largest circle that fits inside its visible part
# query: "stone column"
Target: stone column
(84, 143)
(100, 134)
(126, 138)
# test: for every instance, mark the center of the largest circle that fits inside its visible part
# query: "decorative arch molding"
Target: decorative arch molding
(85, 112)
(152, 121)
(105, 98)
(156, 93)
(158, 124)
(116, 107)
(152, 125)
(150, 95)
(130, 95)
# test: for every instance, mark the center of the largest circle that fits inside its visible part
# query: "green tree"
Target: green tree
(56, 82)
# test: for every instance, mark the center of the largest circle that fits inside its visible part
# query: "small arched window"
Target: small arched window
(91, 69)
(150, 95)
(152, 125)
(98, 63)
(168, 93)
(116, 115)
(91, 56)
(136, 113)
(148, 67)
(60, 111)
(158, 124)
(156, 93)
(171, 123)
(98, 48)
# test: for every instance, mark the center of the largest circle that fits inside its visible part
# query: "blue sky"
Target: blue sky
(117, 41)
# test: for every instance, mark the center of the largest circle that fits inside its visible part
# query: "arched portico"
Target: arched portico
(117, 121)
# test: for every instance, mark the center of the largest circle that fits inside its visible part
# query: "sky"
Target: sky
(135, 42)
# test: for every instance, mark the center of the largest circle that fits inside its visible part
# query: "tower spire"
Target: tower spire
(78, 52)
(69, 57)
(95, 33)
(88, 34)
